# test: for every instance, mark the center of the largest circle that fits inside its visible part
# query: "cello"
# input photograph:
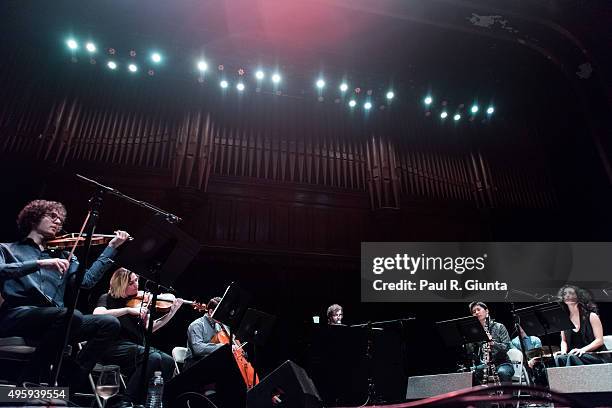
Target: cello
(251, 379)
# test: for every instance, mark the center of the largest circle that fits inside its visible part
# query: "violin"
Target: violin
(163, 304)
(71, 240)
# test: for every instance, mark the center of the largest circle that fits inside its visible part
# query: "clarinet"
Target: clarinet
(490, 370)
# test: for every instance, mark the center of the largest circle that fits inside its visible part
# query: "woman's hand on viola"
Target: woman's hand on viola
(178, 302)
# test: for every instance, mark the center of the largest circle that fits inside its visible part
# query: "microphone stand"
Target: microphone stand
(95, 203)
(171, 218)
(149, 332)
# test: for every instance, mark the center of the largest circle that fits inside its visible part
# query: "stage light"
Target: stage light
(490, 110)
(132, 67)
(428, 100)
(456, 117)
(111, 64)
(320, 83)
(352, 103)
(344, 87)
(260, 75)
(91, 47)
(367, 106)
(390, 95)
(223, 84)
(156, 57)
(72, 44)
(202, 66)
(276, 78)
(240, 86)
(443, 115)
(474, 109)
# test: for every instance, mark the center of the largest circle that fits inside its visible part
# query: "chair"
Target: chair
(178, 354)
(520, 372)
(608, 341)
(16, 351)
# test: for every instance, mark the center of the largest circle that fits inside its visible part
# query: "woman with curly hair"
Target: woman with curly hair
(578, 344)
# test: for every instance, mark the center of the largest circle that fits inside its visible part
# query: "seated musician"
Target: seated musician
(578, 344)
(200, 334)
(523, 340)
(128, 351)
(33, 284)
(536, 364)
(335, 313)
(499, 343)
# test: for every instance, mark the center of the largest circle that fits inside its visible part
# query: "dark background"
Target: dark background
(281, 189)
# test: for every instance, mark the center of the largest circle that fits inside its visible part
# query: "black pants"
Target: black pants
(46, 326)
(130, 356)
(566, 360)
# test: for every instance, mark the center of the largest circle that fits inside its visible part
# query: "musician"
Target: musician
(200, 334)
(127, 351)
(33, 283)
(587, 336)
(535, 363)
(335, 313)
(528, 342)
(499, 341)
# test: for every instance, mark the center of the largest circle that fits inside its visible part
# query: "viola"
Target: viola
(163, 304)
(71, 240)
(246, 369)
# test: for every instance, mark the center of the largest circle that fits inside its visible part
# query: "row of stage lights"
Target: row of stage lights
(474, 109)
(260, 75)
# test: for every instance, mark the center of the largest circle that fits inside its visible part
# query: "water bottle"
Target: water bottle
(156, 391)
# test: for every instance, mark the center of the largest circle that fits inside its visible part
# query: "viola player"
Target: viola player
(127, 351)
(33, 284)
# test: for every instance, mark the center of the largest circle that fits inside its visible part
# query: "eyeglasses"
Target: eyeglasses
(55, 217)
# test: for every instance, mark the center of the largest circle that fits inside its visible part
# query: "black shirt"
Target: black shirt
(132, 328)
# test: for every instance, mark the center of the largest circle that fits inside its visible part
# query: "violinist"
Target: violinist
(127, 351)
(33, 283)
(200, 334)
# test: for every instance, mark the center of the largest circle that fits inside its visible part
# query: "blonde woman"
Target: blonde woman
(128, 350)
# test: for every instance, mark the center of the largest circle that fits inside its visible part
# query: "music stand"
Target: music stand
(232, 306)
(544, 319)
(255, 327)
(457, 332)
(161, 252)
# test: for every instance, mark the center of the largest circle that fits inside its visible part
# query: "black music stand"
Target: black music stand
(251, 325)
(255, 327)
(458, 332)
(160, 252)
(232, 307)
(544, 319)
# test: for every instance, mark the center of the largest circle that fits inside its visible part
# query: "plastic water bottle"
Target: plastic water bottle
(155, 392)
